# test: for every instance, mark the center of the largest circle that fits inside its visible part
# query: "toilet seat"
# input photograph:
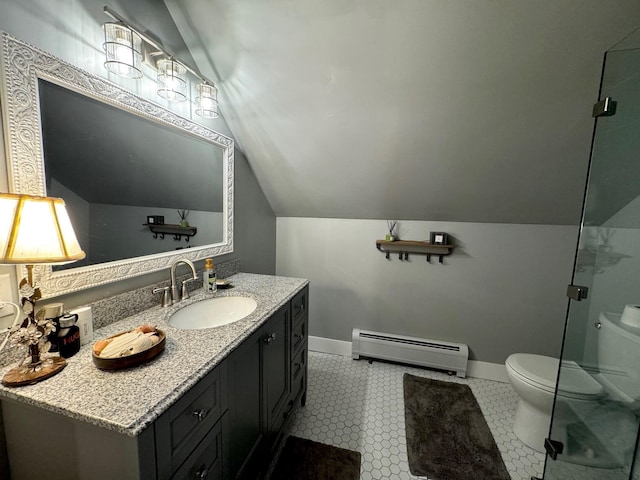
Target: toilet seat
(541, 371)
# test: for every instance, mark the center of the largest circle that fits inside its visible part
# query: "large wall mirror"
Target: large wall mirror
(116, 159)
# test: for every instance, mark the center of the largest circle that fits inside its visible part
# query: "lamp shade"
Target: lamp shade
(36, 230)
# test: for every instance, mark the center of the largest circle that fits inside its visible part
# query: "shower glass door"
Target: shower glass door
(598, 437)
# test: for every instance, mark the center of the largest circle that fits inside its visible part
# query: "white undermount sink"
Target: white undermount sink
(213, 312)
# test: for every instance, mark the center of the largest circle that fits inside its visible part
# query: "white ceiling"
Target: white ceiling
(451, 110)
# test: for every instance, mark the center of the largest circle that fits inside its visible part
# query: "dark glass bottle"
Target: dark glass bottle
(68, 336)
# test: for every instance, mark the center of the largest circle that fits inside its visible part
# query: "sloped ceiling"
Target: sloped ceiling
(414, 109)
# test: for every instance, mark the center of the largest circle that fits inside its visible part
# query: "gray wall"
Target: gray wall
(72, 31)
(501, 291)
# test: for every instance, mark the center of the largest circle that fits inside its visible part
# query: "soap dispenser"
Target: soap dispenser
(209, 276)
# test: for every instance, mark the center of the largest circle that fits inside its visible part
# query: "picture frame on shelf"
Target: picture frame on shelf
(155, 219)
(439, 238)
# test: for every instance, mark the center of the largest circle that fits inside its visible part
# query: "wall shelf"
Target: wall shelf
(404, 247)
(176, 230)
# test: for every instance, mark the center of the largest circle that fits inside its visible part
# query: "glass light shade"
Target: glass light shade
(123, 49)
(172, 80)
(36, 230)
(207, 100)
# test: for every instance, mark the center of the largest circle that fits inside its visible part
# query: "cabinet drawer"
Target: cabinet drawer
(206, 460)
(299, 336)
(184, 425)
(298, 363)
(298, 386)
(300, 304)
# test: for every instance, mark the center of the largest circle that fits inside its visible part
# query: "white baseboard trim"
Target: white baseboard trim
(329, 345)
(487, 371)
(475, 368)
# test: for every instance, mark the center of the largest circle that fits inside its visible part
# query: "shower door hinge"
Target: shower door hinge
(577, 292)
(553, 448)
(604, 108)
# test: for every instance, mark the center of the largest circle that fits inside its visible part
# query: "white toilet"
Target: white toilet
(533, 377)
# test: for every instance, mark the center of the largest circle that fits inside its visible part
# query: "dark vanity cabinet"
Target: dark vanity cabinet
(227, 426)
(186, 442)
(267, 379)
(299, 348)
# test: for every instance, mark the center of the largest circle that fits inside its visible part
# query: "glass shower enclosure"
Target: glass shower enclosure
(598, 438)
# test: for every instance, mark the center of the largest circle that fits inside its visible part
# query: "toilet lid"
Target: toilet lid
(575, 382)
(541, 370)
(538, 369)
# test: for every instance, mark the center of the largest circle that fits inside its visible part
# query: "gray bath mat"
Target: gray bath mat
(303, 459)
(447, 436)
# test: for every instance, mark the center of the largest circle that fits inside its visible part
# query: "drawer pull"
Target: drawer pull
(200, 414)
(298, 337)
(289, 409)
(300, 307)
(201, 474)
(270, 338)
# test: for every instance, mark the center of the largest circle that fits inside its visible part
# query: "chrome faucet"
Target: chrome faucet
(176, 293)
(172, 293)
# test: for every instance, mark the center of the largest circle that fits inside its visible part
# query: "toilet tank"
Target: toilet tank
(619, 358)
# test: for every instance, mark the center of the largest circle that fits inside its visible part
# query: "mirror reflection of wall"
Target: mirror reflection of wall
(114, 168)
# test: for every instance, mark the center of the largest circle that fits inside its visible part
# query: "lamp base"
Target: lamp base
(28, 374)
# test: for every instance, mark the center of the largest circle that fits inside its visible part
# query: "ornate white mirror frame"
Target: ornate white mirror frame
(22, 67)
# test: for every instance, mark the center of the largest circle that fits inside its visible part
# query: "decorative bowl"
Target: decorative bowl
(130, 360)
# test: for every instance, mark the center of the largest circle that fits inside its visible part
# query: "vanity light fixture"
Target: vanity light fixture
(172, 80)
(123, 50)
(124, 59)
(207, 100)
(34, 230)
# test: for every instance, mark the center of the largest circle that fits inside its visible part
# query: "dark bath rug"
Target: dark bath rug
(303, 459)
(447, 436)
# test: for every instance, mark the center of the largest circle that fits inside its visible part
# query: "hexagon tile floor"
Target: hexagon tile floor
(357, 405)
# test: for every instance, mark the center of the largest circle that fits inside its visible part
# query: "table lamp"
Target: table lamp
(34, 230)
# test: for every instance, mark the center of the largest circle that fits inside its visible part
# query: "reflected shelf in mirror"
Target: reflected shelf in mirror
(176, 230)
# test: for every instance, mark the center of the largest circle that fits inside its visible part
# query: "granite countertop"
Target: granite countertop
(127, 401)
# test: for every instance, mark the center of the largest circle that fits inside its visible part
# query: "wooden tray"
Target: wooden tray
(130, 360)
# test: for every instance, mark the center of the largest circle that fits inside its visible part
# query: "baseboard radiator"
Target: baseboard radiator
(448, 356)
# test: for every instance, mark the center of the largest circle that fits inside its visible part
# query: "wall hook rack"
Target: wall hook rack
(177, 231)
(405, 247)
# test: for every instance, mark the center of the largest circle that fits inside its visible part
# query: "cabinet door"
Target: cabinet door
(276, 368)
(245, 412)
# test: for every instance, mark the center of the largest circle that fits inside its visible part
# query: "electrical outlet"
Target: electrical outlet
(6, 295)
